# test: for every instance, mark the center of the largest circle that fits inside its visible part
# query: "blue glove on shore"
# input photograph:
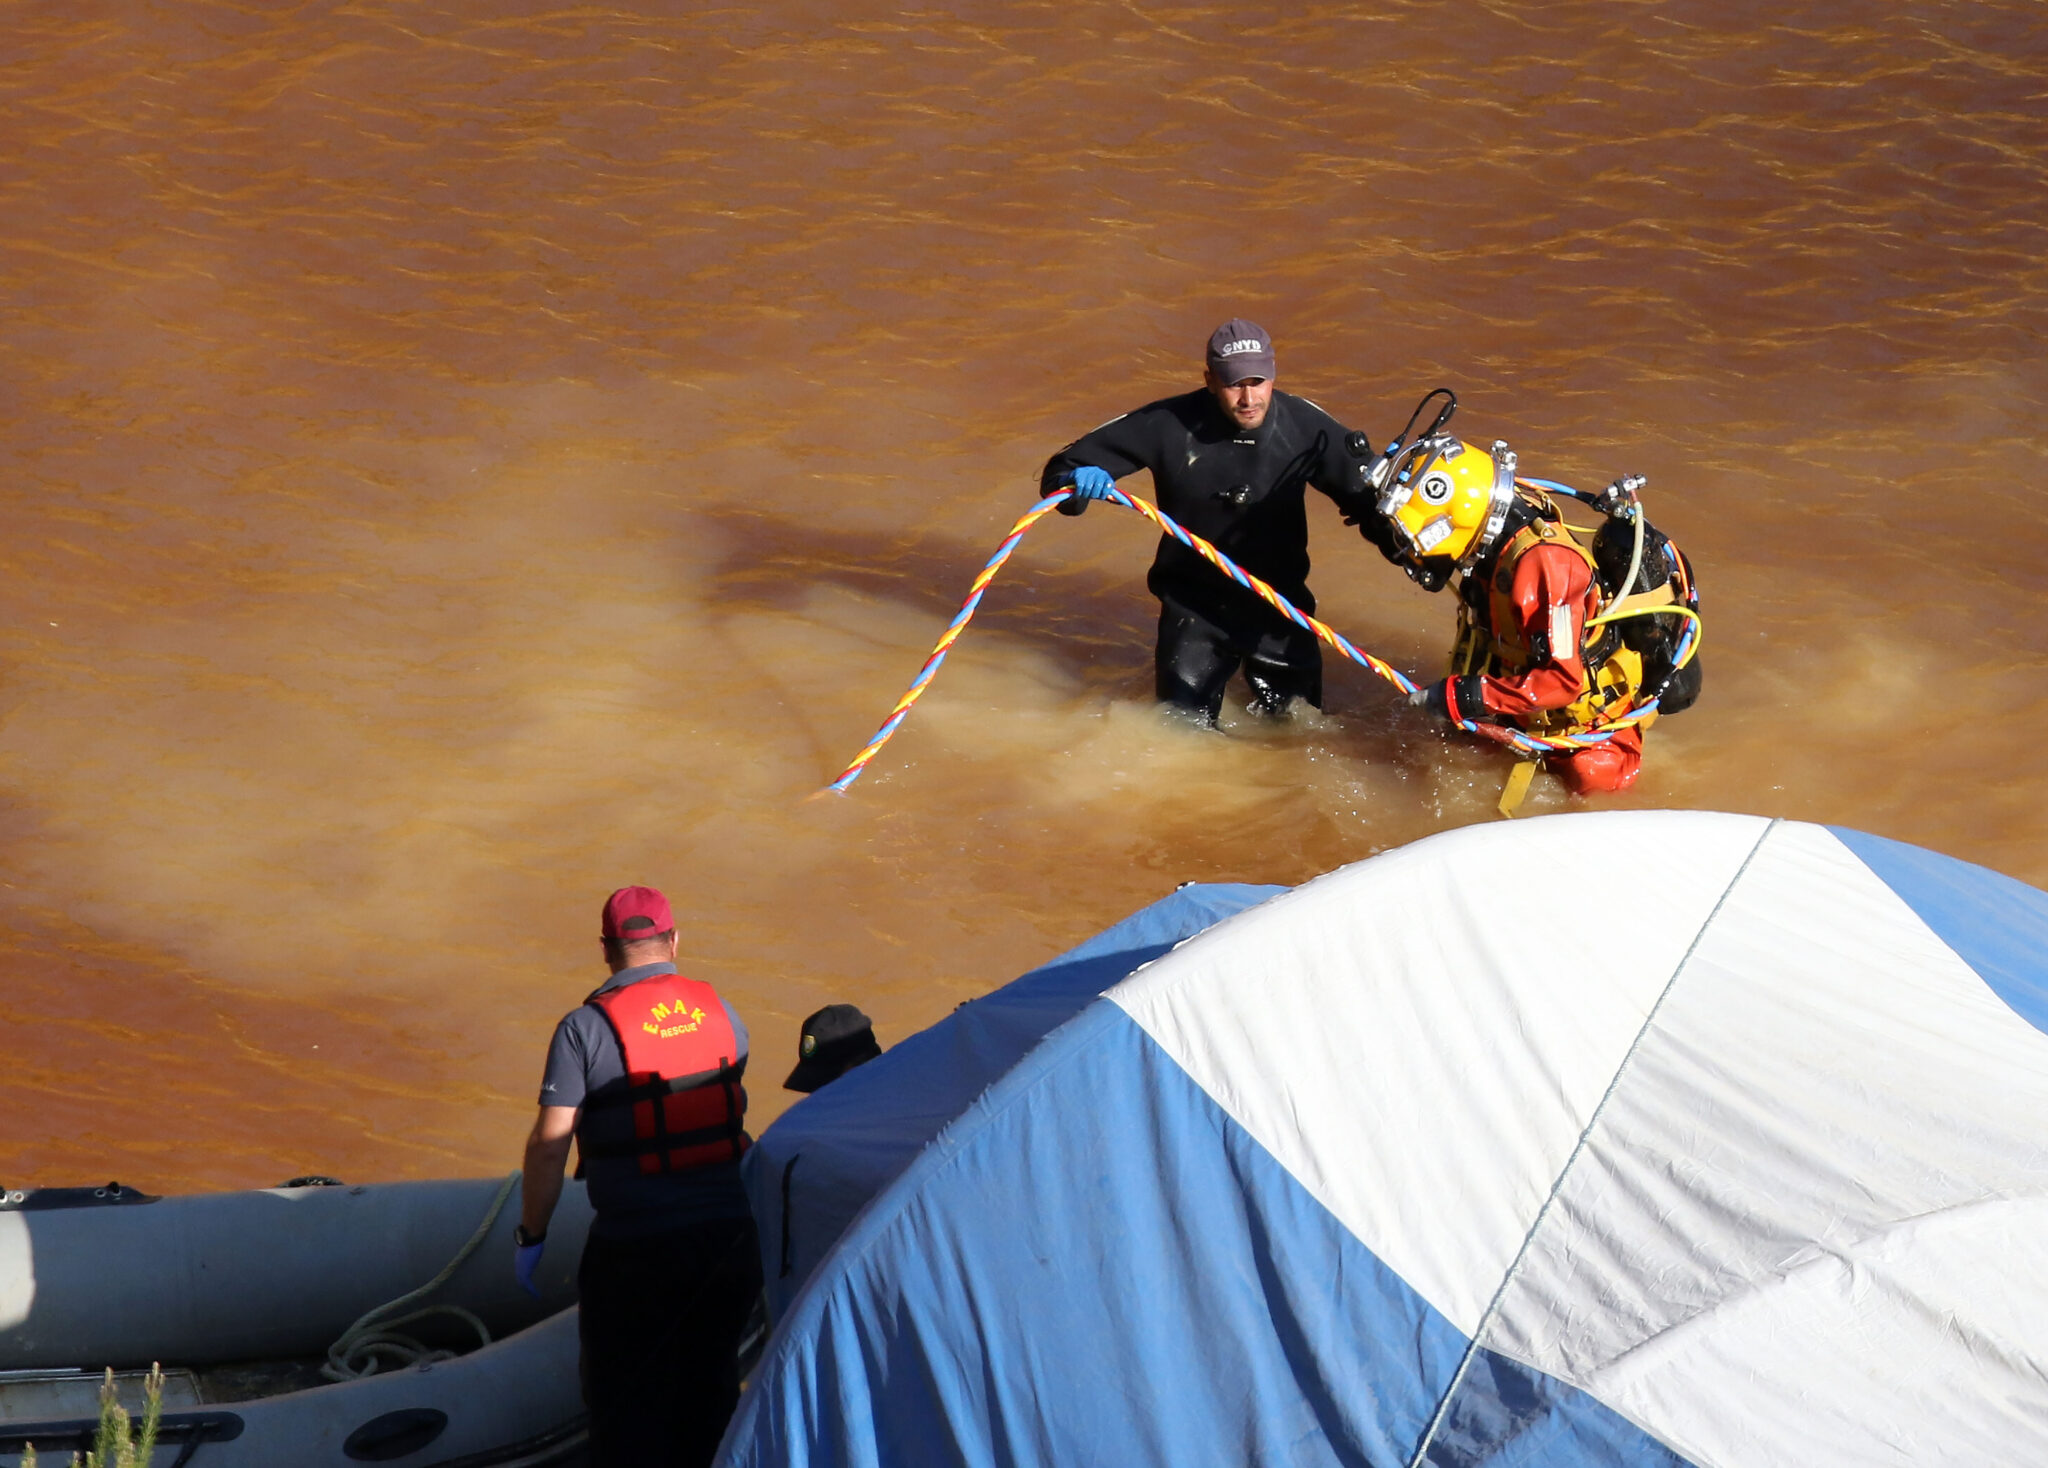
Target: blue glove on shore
(1091, 483)
(526, 1259)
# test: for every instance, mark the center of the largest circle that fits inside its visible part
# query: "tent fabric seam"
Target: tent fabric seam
(1860, 845)
(1476, 1344)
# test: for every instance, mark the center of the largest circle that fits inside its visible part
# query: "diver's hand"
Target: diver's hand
(1460, 700)
(1084, 484)
(1091, 483)
(1433, 698)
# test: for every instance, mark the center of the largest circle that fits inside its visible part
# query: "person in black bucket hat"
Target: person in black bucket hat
(834, 1040)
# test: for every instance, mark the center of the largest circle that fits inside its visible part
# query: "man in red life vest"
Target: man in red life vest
(645, 1075)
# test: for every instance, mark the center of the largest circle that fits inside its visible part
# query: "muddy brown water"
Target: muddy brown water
(460, 459)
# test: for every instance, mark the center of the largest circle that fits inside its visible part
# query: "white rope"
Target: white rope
(371, 1343)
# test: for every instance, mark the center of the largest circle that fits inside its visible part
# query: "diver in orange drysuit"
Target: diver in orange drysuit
(1538, 626)
(1555, 637)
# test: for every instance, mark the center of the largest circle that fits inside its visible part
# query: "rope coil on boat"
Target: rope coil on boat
(373, 1343)
(1532, 744)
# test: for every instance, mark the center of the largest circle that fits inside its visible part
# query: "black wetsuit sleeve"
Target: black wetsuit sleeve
(1336, 471)
(1119, 447)
(1341, 474)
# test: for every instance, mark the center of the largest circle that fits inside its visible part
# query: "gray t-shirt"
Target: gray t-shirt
(584, 1060)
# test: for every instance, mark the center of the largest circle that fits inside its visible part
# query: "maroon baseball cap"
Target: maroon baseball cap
(632, 913)
(1239, 349)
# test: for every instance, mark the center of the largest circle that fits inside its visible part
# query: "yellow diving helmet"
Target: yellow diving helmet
(1448, 502)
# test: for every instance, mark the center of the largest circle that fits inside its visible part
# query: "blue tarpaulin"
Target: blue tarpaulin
(1735, 1158)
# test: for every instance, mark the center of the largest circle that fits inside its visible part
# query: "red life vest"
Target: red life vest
(683, 1071)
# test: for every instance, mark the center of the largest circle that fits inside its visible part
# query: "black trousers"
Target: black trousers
(660, 1328)
(1196, 657)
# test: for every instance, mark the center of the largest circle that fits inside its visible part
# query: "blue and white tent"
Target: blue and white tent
(1617, 1138)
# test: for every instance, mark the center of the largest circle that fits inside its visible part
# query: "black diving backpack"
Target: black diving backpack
(1658, 636)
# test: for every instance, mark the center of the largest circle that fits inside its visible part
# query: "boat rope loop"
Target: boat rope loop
(1531, 744)
(374, 1343)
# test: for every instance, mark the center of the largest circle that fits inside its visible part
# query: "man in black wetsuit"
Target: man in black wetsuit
(1230, 463)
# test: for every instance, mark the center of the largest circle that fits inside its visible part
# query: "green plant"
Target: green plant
(115, 1443)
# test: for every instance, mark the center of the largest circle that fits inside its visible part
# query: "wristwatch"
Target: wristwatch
(524, 1239)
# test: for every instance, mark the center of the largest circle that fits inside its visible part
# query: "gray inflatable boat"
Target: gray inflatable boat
(312, 1325)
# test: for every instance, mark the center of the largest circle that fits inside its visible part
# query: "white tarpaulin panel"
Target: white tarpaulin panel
(1737, 1157)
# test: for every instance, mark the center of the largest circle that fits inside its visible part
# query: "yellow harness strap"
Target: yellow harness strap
(1642, 601)
(1517, 788)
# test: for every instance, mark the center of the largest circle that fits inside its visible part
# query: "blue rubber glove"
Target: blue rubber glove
(1091, 483)
(526, 1259)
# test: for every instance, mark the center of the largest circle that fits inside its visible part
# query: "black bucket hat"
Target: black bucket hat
(837, 1036)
